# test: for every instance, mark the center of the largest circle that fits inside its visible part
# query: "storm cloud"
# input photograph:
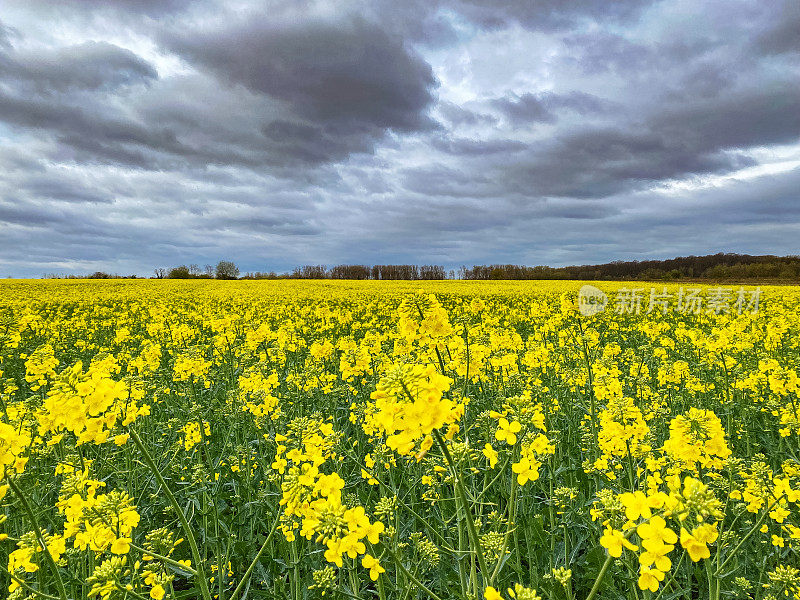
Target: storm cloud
(346, 73)
(137, 134)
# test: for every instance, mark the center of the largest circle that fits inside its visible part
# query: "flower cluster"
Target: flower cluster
(98, 522)
(518, 592)
(697, 440)
(409, 405)
(646, 514)
(40, 367)
(29, 555)
(13, 447)
(257, 390)
(193, 434)
(622, 435)
(89, 404)
(190, 366)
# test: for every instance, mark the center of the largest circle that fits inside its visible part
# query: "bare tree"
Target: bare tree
(227, 270)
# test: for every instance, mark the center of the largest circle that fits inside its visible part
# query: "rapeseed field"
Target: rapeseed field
(398, 440)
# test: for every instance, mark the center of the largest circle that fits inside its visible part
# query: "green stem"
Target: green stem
(381, 591)
(165, 559)
(413, 579)
(592, 404)
(672, 577)
(462, 574)
(62, 592)
(26, 587)
(252, 566)
(351, 573)
(130, 592)
(746, 537)
(462, 494)
(713, 582)
(201, 576)
(295, 570)
(512, 513)
(600, 576)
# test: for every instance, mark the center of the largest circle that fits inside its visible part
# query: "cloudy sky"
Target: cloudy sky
(143, 133)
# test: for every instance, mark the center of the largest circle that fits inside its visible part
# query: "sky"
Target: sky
(137, 134)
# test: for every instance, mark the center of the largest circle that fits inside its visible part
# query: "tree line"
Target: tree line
(719, 266)
(713, 267)
(362, 272)
(228, 270)
(375, 272)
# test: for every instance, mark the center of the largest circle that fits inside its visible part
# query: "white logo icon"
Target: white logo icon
(591, 301)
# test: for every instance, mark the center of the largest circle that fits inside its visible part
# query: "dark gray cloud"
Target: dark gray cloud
(146, 133)
(528, 108)
(64, 190)
(688, 132)
(118, 140)
(5, 42)
(151, 8)
(548, 14)
(471, 147)
(310, 143)
(460, 115)
(782, 34)
(603, 52)
(311, 94)
(351, 75)
(95, 66)
(544, 107)
(602, 162)
(739, 119)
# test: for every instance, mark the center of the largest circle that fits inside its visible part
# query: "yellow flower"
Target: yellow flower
(491, 594)
(491, 454)
(507, 431)
(121, 546)
(373, 531)
(334, 553)
(637, 505)
(649, 579)
(613, 541)
(526, 469)
(656, 555)
(695, 542)
(375, 569)
(157, 592)
(656, 532)
(779, 514)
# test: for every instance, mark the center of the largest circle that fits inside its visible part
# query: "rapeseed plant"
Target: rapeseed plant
(439, 440)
